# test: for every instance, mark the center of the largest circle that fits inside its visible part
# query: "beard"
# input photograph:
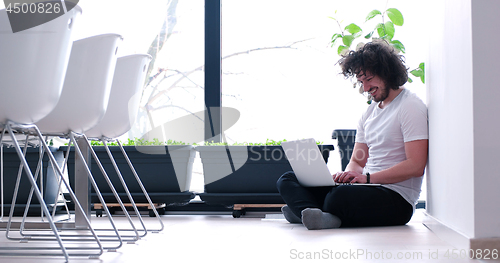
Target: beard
(381, 94)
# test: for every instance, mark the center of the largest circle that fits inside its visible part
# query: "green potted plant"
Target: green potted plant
(244, 173)
(165, 169)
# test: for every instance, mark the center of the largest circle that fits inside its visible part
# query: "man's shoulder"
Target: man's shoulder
(370, 108)
(411, 99)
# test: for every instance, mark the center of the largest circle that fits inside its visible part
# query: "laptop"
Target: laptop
(308, 164)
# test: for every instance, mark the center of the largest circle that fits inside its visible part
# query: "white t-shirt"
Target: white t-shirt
(386, 130)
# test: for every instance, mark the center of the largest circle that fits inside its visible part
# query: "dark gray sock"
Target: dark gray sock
(314, 219)
(290, 216)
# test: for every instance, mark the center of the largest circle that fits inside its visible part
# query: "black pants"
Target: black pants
(355, 205)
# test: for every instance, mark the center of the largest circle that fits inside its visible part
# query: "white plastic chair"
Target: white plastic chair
(123, 107)
(83, 103)
(87, 86)
(125, 97)
(33, 65)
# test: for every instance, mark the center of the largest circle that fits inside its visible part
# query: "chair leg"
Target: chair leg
(63, 168)
(99, 195)
(125, 187)
(38, 172)
(71, 193)
(1, 179)
(142, 187)
(59, 191)
(110, 184)
(14, 196)
(37, 194)
(77, 237)
(1, 176)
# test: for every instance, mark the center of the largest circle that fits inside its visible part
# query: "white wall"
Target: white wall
(463, 102)
(449, 97)
(486, 99)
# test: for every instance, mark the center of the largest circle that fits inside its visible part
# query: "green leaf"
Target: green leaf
(398, 45)
(389, 30)
(335, 37)
(353, 28)
(387, 38)
(372, 14)
(342, 50)
(417, 72)
(358, 34)
(347, 40)
(410, 80)
(380, 29)
(422, 66)
(395, 16)
(369, 35)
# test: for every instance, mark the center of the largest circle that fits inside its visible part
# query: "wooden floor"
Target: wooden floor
(259, 237)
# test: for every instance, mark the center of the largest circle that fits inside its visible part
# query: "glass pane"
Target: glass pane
(175, 85)
(279, 71)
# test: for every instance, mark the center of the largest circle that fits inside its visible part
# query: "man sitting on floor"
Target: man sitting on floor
(390, 149)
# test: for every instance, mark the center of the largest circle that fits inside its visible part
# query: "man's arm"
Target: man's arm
(358, 158)
(413, 166)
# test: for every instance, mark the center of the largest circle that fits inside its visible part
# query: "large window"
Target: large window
(280, 72)
(278, 69)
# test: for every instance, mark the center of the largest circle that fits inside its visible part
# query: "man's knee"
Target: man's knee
(286, 177)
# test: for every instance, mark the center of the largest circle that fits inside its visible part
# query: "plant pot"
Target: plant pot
(244, 174)
(165, 172)
(11, 168)
(345, 142)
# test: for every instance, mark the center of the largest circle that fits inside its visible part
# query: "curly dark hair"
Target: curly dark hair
(378, 58)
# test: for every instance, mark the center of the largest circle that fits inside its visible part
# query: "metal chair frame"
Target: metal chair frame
(103, 238)
(9, 251)
(104, 140)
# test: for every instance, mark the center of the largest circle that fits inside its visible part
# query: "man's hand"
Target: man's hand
(350, 177)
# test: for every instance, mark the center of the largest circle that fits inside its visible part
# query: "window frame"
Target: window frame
(213, 71)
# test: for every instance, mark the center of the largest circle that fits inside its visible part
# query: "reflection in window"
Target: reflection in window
(175, 84)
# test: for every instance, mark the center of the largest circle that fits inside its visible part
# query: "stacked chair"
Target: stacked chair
(82, 105)
(33, 66)
(54, 87)
(121, 113)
